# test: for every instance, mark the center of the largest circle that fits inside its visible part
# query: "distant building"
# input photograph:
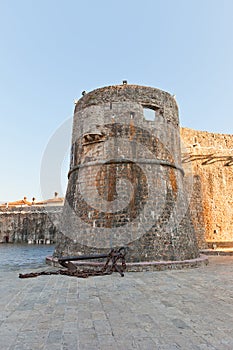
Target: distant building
(55, 201)
(22, 221)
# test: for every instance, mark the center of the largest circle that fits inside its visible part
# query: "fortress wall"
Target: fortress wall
(208, 173)
(209, 156)
(29, 224)
(126, 180)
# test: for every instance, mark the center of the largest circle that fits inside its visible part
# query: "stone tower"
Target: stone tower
(126, 179)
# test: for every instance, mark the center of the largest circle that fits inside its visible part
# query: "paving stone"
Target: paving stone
(54, 337)
(168, 310)
(102, 327)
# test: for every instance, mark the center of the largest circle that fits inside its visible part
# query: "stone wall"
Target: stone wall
(210, 157)
(126, 174)
(126, 179)
(208, 176)
(29, 224)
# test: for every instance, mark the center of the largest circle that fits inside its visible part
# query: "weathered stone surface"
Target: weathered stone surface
(126, 178)
(145, 310)
(29, 224)
(210, 156)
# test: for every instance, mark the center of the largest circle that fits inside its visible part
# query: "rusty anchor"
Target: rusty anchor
(110, 266)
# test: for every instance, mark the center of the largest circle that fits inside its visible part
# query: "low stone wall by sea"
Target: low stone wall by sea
(33, 225)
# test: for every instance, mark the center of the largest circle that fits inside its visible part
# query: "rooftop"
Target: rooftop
(25, 203)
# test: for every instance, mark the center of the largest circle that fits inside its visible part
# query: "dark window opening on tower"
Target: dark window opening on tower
(92, 138)
(132, 114)
(149, 113)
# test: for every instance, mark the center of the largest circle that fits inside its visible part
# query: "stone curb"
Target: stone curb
(224, 252)
(142, 266)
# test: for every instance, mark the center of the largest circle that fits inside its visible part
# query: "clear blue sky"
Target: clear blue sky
(52, 50)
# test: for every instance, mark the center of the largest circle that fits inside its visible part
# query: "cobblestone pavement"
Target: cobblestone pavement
(180, 309)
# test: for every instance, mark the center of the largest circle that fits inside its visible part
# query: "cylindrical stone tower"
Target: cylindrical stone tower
(126, 179)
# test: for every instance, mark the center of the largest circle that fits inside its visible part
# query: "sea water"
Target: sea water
(15, 257)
